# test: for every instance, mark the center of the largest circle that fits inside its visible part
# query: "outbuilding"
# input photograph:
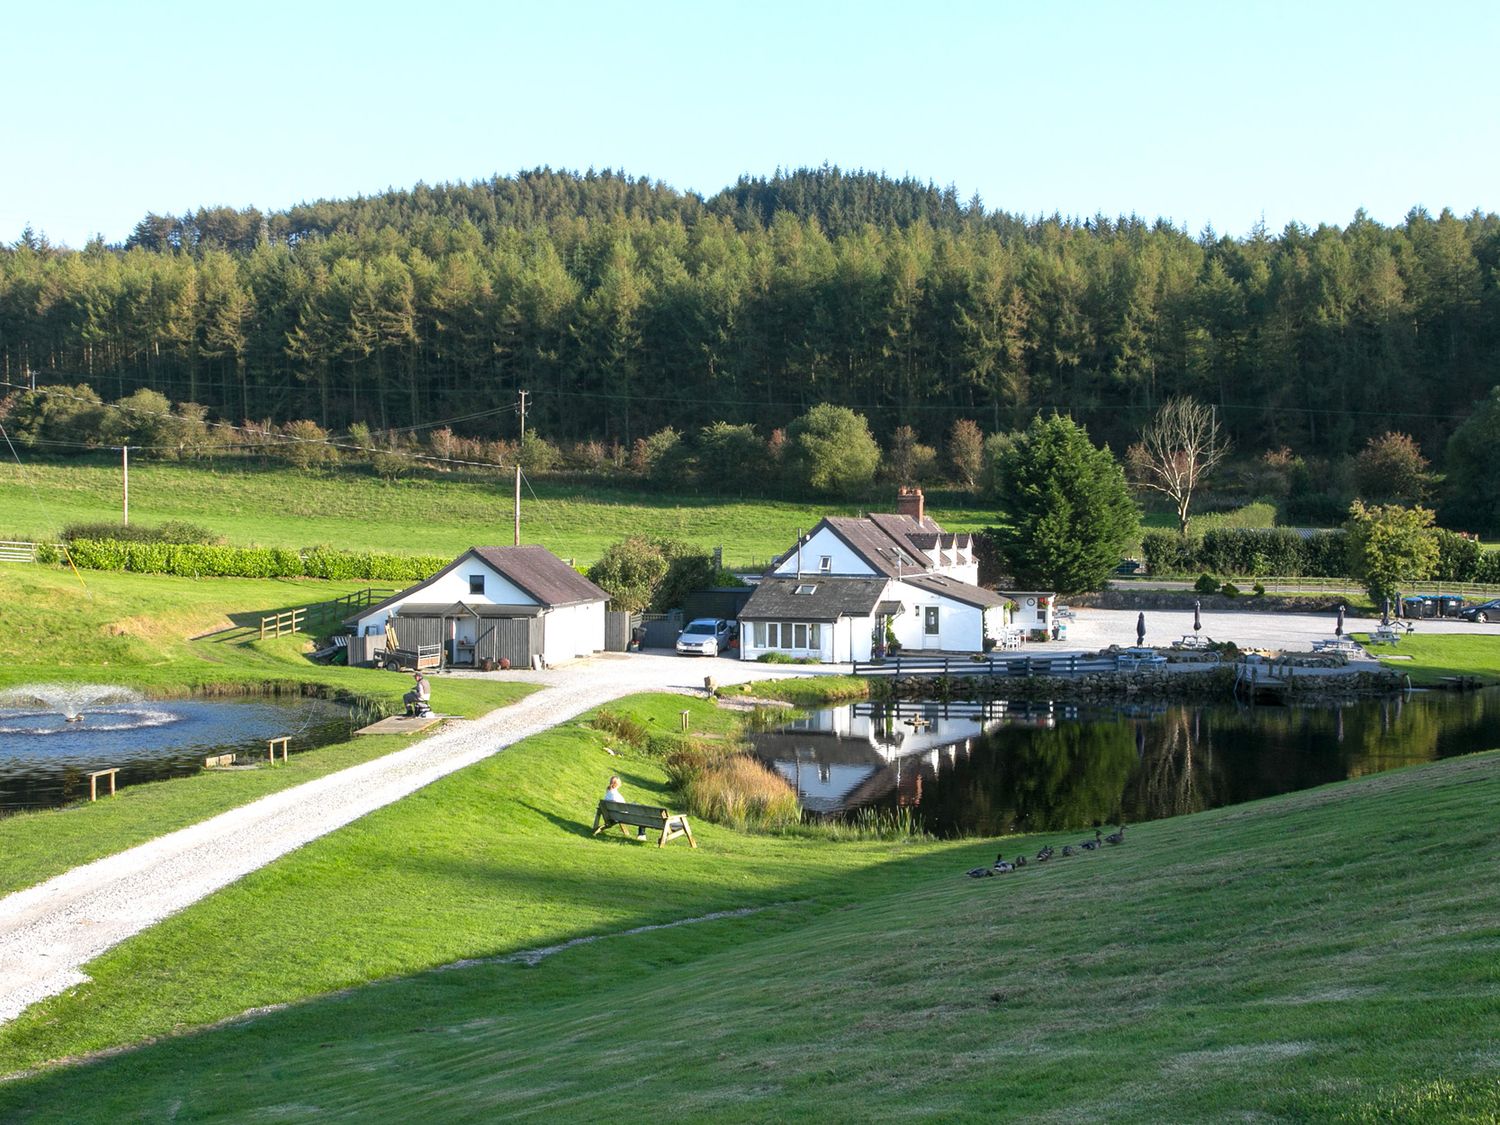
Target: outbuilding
(492, 604)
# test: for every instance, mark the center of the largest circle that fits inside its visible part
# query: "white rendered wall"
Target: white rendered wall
(824, 542)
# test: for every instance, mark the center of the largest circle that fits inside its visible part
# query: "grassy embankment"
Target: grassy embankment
(422, 514)
(1428, 658)
(134, 630)
(1327, 955)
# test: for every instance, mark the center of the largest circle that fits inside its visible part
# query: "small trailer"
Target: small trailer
(394, 658)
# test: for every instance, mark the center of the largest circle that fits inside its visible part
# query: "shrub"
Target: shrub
(1206, 584)
(1260, 590)
(1166, 552)
(774, 658)
(1230, 590)
(304, 444)
(623, 727)
(175, 531)
(1460, 558)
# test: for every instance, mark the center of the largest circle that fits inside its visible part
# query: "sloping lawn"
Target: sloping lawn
(1431, 658)
(1329, 955)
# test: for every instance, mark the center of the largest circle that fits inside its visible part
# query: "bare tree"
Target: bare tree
(1178, 448)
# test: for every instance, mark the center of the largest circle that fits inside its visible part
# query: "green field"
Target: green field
(1329, 955)
(422, 514)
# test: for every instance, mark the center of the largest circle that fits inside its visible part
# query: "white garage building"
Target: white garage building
(494, 603)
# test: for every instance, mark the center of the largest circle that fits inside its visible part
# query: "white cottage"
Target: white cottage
(494, 603)
(851, 584)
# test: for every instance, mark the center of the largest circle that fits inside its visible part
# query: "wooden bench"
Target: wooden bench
(670, 825)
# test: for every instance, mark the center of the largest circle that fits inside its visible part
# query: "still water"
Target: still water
(45, 759)
(972, 769)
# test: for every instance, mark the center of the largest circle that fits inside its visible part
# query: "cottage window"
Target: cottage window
(476, 583)
(825, 564)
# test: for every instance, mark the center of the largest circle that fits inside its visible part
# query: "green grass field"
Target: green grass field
(427, 514)
(1428, 659)
(1329, 955)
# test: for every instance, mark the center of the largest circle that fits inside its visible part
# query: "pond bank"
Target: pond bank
(1181, 684)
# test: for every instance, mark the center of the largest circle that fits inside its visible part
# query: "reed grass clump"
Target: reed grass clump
(737, 790)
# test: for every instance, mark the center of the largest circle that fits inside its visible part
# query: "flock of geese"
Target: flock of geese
(1002, 866)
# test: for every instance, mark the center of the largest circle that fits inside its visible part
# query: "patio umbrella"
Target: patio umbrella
(1338, 630)
(1140, 629)
(1197, 620)
(1385, 612)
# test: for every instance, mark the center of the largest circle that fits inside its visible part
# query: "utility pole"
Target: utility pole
(518, 470)
(125, 483)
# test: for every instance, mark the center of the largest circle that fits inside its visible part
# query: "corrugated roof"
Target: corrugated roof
(465, 609)
(830, 598)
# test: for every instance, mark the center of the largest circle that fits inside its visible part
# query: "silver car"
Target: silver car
(706, 636)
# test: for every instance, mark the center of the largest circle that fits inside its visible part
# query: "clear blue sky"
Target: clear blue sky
(1200, 112)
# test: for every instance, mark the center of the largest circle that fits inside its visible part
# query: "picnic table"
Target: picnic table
(1193, 641)
(1136, 657)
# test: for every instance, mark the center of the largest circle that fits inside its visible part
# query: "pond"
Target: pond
(52, 737)
(998, 768)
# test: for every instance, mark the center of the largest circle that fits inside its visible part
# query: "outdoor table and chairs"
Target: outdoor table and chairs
(1138, 657)
(1193, 641)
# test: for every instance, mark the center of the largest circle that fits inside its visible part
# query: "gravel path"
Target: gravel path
(50, 931)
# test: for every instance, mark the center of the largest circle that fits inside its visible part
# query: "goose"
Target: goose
(1045, 854)
(1090, 845)
(1116, 837)
(1069, 849)
(979, 872)
(1020, 861)
(1003, 868)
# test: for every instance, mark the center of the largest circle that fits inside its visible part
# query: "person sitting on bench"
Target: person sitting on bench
(417, 700)
(612, 793)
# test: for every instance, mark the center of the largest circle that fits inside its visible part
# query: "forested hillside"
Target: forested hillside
(624, 305)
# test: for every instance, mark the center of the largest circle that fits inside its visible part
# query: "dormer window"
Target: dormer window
(476, 583)
(825, 563)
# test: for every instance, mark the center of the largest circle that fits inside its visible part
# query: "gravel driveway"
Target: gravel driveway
(48, 932)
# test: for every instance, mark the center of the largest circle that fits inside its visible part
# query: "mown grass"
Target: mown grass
(496, 858)
(422, 514)
(1429, 658)
(135, 630)
(1328, 955)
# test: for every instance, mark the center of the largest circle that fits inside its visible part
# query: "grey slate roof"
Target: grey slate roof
(535, 570)
(831, 599)
(956, 590)
(542, 574)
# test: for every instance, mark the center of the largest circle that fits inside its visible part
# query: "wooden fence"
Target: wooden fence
(13, 551)
(320, 615)
(987, 666)
(1352, 589)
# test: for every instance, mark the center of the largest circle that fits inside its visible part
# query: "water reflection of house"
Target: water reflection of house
(846, 757)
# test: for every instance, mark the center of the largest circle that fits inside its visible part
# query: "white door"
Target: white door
(931, 637)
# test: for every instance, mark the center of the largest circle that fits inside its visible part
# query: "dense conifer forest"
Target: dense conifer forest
(623, 306)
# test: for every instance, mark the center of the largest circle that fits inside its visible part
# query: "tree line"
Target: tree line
(625, 307)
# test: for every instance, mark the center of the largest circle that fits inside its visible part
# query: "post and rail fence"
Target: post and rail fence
(17, 551)
(314, 617)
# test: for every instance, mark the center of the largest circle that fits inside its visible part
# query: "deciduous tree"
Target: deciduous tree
(1178, 448)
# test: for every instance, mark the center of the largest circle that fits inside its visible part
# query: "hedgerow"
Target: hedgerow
(199, 560)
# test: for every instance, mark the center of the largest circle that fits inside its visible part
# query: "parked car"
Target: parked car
(707, 636)
(1484, 611)
(1130, 567)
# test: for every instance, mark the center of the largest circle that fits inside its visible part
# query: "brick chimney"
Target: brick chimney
(909, 502)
